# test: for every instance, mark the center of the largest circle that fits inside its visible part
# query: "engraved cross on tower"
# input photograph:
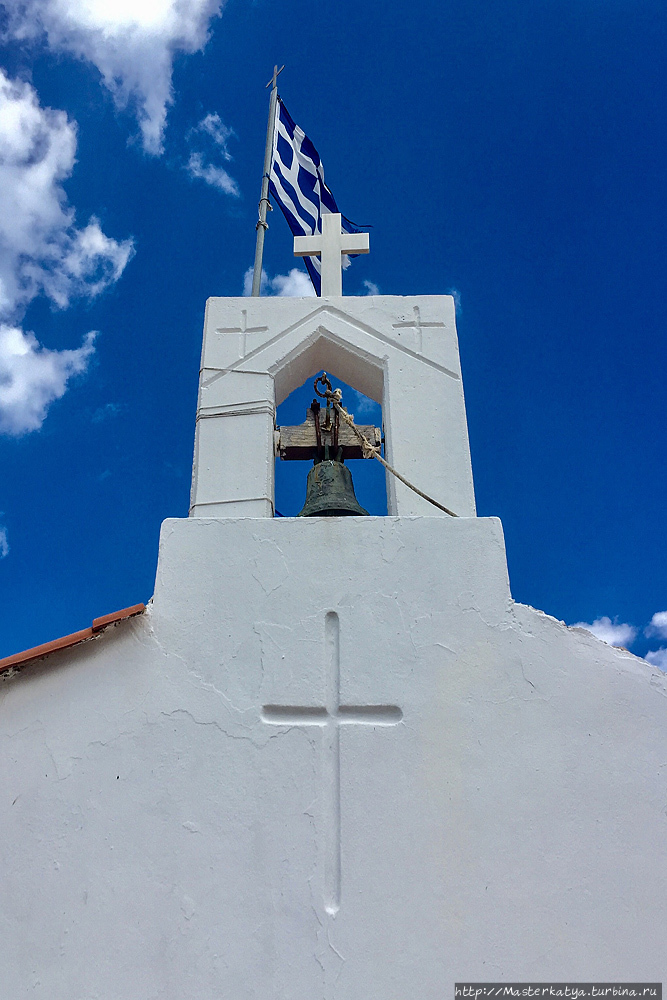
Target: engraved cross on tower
(418, 325)
(244, 330)
(329, 246)
(330, 717)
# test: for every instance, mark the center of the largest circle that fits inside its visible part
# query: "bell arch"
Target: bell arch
(402, 352)
(325, 351)
(291, 475)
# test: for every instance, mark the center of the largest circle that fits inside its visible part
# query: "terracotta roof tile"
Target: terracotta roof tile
(99, 624)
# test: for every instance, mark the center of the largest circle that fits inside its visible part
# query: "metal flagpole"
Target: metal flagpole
(262, 224)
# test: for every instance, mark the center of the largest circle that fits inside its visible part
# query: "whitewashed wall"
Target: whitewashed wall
(160, 840)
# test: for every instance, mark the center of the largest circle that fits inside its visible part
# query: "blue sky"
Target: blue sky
(512, 153)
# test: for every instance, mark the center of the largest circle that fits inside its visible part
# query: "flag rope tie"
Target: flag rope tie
(369, 450)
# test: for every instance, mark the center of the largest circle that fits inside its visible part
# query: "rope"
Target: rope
(369, 450)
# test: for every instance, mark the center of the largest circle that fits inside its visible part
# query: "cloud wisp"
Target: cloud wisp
(657, 629)
(295, 283)
(213, 126)
(657, 626)
(613, 633)
(456, 295)
(215, 176)
(622, 634)
(4, 544)
(42, 252)
(109, 410)
(32, 377)
(212, 130)
(658, 658)
(131, 42)
(364, 406)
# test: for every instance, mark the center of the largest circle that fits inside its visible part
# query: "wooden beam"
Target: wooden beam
(300, 442)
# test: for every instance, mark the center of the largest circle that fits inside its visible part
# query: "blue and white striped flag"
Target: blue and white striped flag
(296, 181)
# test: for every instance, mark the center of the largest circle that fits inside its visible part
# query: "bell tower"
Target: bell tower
(400, 351)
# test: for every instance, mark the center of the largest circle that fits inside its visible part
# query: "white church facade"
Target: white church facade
(332, 759)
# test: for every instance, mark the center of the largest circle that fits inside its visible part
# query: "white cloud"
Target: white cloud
(106, 411)
(131, 42)
(658, 658)
(611, 632)
(215, 176)
(41, 250)
(363, 406)
(658, 625)
(247, 281)
(218, 135)
(32, 377)
(456, 295)
(90, 262)
(4, 544)
(296, 283)
(371, 287)
(213, 126)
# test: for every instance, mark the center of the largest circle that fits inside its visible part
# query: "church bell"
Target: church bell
(329, 492)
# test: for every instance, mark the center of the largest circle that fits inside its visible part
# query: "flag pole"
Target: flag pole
(262, 224)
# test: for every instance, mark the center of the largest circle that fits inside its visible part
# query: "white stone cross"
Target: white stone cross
(330, 718)
(329, 246)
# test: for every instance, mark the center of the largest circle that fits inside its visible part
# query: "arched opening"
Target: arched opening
(290, 476)
(360, 376)
(324, 350)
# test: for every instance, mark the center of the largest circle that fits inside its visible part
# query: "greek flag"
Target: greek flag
(296, 181)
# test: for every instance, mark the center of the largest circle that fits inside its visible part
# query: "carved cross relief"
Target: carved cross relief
(418, 325)
(244, 330)
(330, 717)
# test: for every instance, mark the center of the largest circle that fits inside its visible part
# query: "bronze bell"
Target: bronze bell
(329, 492)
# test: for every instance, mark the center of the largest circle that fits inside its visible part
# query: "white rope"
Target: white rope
(369, 450)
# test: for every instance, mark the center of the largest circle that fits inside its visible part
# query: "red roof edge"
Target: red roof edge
(99, 624)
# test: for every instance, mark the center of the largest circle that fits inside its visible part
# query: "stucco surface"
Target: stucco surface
(159, 839)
